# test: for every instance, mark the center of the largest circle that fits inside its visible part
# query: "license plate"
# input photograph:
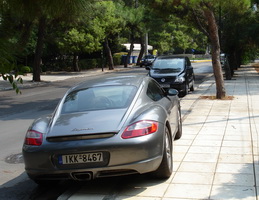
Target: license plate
(165, 85)
(80, 158)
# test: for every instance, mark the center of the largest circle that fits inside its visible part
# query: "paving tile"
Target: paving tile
(193, 178)
(183, 142)
(176, 165)
(180, 149)
(178, 157)
(234, 179)
(236, 150)
(227, 192)
(231, 168)
(236, 143)
(197, 167)
(209, 137)
(239, 158)
(188, 136)
(144, 189)
(235, 137)
(188, 191)
(201, 157)
(210, 143)
(204, 149)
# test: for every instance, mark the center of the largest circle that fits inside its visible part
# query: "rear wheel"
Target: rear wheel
(166, 167)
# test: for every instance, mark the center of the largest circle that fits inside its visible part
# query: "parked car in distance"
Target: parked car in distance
(147, 60)
(173, 72)
(113, 126)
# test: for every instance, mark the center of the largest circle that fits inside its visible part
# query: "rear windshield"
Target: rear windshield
(98, 98)
(176, 64)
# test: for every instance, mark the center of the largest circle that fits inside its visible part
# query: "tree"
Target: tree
(108, 16)
(133, 15)
(41, 13)
(202, 11)
(239, 37)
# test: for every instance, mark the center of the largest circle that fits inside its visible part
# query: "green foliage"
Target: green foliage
(117, 59)
(90, 63)
(25, 69)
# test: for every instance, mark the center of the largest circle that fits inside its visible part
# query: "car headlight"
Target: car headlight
(180, 79)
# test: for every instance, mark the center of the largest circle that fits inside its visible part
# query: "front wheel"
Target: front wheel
(178, 134)
(166, 167)
(192, 87)
(185, 91)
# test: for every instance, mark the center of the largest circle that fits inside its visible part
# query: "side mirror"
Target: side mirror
(172, 92)
(189, 67)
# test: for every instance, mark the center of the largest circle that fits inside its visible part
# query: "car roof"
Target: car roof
(171, 57)
(112, 80)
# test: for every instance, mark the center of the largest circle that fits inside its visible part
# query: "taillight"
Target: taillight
(33, 138)
(140, 128)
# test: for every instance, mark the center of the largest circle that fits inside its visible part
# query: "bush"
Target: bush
(88, 63)
(117, 59)
(25, 69)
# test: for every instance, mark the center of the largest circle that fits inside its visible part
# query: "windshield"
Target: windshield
(98, 98)
(175, 64)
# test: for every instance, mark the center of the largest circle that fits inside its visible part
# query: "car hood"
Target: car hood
(92, 122)
(164, 72)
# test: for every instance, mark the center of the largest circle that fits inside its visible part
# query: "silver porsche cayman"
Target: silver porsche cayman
(113, 126)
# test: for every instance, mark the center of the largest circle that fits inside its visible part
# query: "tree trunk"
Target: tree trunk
(39, 50)
(130, 51)
(215, 54)
(141, 53)
(109, 54)
(75, 63)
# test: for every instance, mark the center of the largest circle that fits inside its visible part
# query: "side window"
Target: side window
(154, 92)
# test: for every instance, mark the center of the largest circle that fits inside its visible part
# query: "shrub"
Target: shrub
(117, 59)
(88, 63)
(25, 69)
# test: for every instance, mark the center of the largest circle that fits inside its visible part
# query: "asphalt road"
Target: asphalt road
(16, 114)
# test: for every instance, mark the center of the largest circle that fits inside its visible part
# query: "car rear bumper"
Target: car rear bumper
(137, 155)
(93, 173)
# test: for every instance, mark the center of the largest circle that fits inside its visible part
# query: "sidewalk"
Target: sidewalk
(217, 156)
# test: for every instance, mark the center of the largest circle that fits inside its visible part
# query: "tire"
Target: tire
(185, 91)
(178, 134)
(192, 88)
(165, 169)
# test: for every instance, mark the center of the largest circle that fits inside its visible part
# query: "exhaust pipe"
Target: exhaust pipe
(82, 176)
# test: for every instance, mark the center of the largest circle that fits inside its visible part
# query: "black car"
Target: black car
(173, 72)
(147, 60)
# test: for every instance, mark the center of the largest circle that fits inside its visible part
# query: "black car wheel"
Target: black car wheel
(166, 167)
(185, 90)
(192, 87)
(179, 131)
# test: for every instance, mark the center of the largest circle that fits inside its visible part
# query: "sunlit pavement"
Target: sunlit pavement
(217, 156)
